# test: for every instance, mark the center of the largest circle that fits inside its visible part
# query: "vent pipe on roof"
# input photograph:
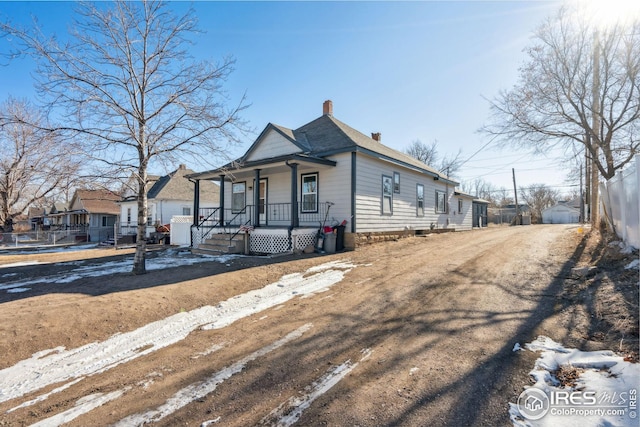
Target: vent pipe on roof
(327, 108)
(377, 136)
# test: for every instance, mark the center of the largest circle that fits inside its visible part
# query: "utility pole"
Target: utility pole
(515, 193)
(587, 184)
(596, 130)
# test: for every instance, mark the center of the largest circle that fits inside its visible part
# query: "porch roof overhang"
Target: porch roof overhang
(239, 169)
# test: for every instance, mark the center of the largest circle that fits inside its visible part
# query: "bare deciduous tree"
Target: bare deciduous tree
(129, 88)
(34, 163)
(538, 197)
(428, 154)
(580, 86)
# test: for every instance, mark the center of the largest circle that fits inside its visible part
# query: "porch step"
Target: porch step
(221, 244)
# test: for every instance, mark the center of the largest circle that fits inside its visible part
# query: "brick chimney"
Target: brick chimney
(327, 108)
(377, 136)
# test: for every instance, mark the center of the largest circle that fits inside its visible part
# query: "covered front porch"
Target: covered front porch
(271, 234)
(273, 204)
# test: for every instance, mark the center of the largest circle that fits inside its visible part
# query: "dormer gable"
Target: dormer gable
(274, 141)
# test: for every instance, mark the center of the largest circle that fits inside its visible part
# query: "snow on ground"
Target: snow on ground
(44, 249)
(67, 367)
(165, 259)
(290, 411)
(604, 392)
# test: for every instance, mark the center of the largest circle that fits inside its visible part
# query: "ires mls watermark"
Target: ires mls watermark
(534, 403)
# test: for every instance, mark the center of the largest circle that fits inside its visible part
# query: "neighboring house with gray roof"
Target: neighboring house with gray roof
(291, 178)
(167, 196)
(93, 212)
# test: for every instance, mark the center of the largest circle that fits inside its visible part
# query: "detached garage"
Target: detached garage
(561, 214)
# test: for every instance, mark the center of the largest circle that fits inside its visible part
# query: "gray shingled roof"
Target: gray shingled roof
(327, 135)
(176, 186)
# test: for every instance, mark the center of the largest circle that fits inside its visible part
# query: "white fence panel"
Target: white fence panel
(621, 197)
(181, 230)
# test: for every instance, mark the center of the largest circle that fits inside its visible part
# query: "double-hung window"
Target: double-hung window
(238, 200)
(396, 182)
(419, 200)
(387, 195)
(441, 201)
(310, 193)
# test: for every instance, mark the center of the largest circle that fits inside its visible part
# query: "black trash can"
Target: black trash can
(339, 237)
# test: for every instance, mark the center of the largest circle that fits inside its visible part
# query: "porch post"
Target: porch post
(256, 199)
(294, 195)
(221, 216)
(196, 201)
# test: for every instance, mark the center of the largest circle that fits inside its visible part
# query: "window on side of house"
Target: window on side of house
(460, 206)
(186, 211)
(108, 221)
(128, 215)
(396, 182)
(149, 220)
(387, 195)
(309, 193)
(441, 201)
(419, 200)
(238, 199)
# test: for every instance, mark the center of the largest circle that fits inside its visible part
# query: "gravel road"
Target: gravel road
(418, 332)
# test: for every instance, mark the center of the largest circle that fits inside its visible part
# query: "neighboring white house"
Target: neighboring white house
(561, 213)
(294, 179)
(167, 196)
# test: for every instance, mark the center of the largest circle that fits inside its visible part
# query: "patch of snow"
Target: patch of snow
(610, 383)
(199, 390)
(208, 351)
(622, 247)
(45, 368)
(210, 422)
(82, 406)
(517, 347)
(290, 411)
(413, 370)
(167, 259)
(20, 264)
(635, 264)
(17, 290)
(45, 396)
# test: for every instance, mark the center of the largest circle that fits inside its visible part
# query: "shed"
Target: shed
(561, 213)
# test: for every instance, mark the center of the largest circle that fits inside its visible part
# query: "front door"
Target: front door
(262, 205)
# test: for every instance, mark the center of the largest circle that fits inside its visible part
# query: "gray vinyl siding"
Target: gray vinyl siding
(369, 217)
(464, 220)
(335, 186)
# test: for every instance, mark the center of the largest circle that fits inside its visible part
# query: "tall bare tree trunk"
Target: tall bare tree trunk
(139, 264)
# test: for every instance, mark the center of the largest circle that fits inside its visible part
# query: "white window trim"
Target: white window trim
(302, 192)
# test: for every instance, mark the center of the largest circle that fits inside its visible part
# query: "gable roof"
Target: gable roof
(323, 137)
(327, 135)
(176, 186)
(96, 201)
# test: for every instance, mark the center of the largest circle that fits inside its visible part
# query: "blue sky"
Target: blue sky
(410, 70)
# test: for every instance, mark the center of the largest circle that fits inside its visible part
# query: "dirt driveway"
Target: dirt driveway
(416, 332)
